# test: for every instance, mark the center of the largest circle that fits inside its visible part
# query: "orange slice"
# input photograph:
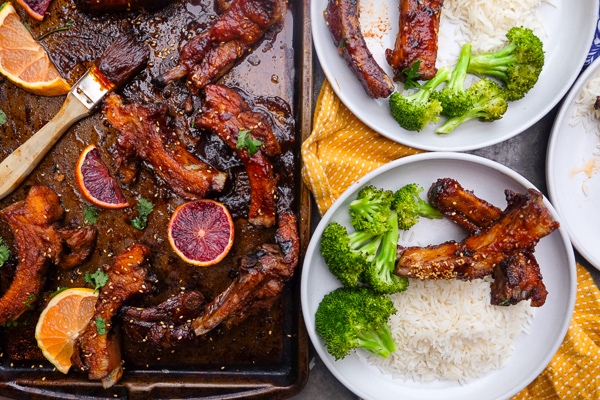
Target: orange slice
(95, 181)
(61, 322)
(23, 61)
(201, 232)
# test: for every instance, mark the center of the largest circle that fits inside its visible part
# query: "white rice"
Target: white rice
(447, 329)
(484, 23)
(584, 106)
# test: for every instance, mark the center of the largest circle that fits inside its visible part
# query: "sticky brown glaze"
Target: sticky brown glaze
(146, 136)
(100, 354)
(211, 55)
(518, 278)
(262, 277)
(123, 59)
(34, 222)
(109, 6)
(417, 38)
(461, 205)
(225, 113)
(525, 221)
(342, 17)
(168, 324)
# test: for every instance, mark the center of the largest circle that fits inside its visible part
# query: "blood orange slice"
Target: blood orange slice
(201, 232)
(95, 181)
(35, 8)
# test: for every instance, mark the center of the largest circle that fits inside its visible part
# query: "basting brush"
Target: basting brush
(119, 63)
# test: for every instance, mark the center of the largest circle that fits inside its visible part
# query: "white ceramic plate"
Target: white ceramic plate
(532, 352)
(570, 28)
(569, 149)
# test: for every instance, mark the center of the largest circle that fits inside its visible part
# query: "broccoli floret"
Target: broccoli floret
(370, 211)
(453, 98)
(410, 206)
(346, 255)
(518, 65)
(414, 111)
(355, 318)
(489, 105)
(379, 272)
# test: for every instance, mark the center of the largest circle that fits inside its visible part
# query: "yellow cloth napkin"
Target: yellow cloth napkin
(341, 149)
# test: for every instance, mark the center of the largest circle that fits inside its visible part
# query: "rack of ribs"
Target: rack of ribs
(417, 38)
(524, 222)
(98, 351)
(226, 114)
(262, 278)
(517, 277)
(208, 56)
(342, 17)
(40, 241)
(144, 135)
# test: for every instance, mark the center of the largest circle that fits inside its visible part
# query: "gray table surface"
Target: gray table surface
(524, 153)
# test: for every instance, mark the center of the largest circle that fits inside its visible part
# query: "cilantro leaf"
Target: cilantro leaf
(98, 279)
(504, 302)
(90, 215)
(29, 300)
(63, 28)
(4, 253)
(101, 326)
(59, 290)
(144, 209)
(244, 141)
(2, 117)
(28, 27)
(342, 43)
(412, 75)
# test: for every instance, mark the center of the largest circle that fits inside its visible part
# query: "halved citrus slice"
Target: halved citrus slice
(23, 61)
(61, 322)
(95, 181)
(201, 232)
(35, 8)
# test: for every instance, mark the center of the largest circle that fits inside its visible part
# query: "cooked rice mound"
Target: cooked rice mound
(447, 329)
(584, 111)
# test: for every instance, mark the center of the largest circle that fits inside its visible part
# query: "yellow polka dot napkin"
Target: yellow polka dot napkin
(341, 149)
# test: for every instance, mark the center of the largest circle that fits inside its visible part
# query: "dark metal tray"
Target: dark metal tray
(266, 356)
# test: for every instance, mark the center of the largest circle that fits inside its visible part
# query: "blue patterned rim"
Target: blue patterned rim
(595, 49)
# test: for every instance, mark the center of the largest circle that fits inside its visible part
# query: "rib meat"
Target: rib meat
(262, 278)
(417, 38)
(342, 17)
(145, 135)
(100, 354)
(34, 222)
(210, 55)
(525, 221)
(167, 325)
(226, 114)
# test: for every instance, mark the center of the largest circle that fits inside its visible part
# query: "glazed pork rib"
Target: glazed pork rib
(262, 278)
(524, 222)
(226, 114)
(97, 350)
(342, 17)
(211, 54)
(417, 38)
(34, 222)
(146, 136)
(167, 325)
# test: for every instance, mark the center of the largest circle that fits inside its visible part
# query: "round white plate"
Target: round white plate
(569, 149)
(532, 352)
(570, 28)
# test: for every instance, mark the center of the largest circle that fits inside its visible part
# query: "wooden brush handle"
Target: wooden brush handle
(17, 166)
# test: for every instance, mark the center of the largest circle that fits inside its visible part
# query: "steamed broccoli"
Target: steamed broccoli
(414, 111)
(489, 105)
(410, 206)
(347, 255)
(379, 272)
(356, 318)
(370, 211)
(518, 65)
(453, 98)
